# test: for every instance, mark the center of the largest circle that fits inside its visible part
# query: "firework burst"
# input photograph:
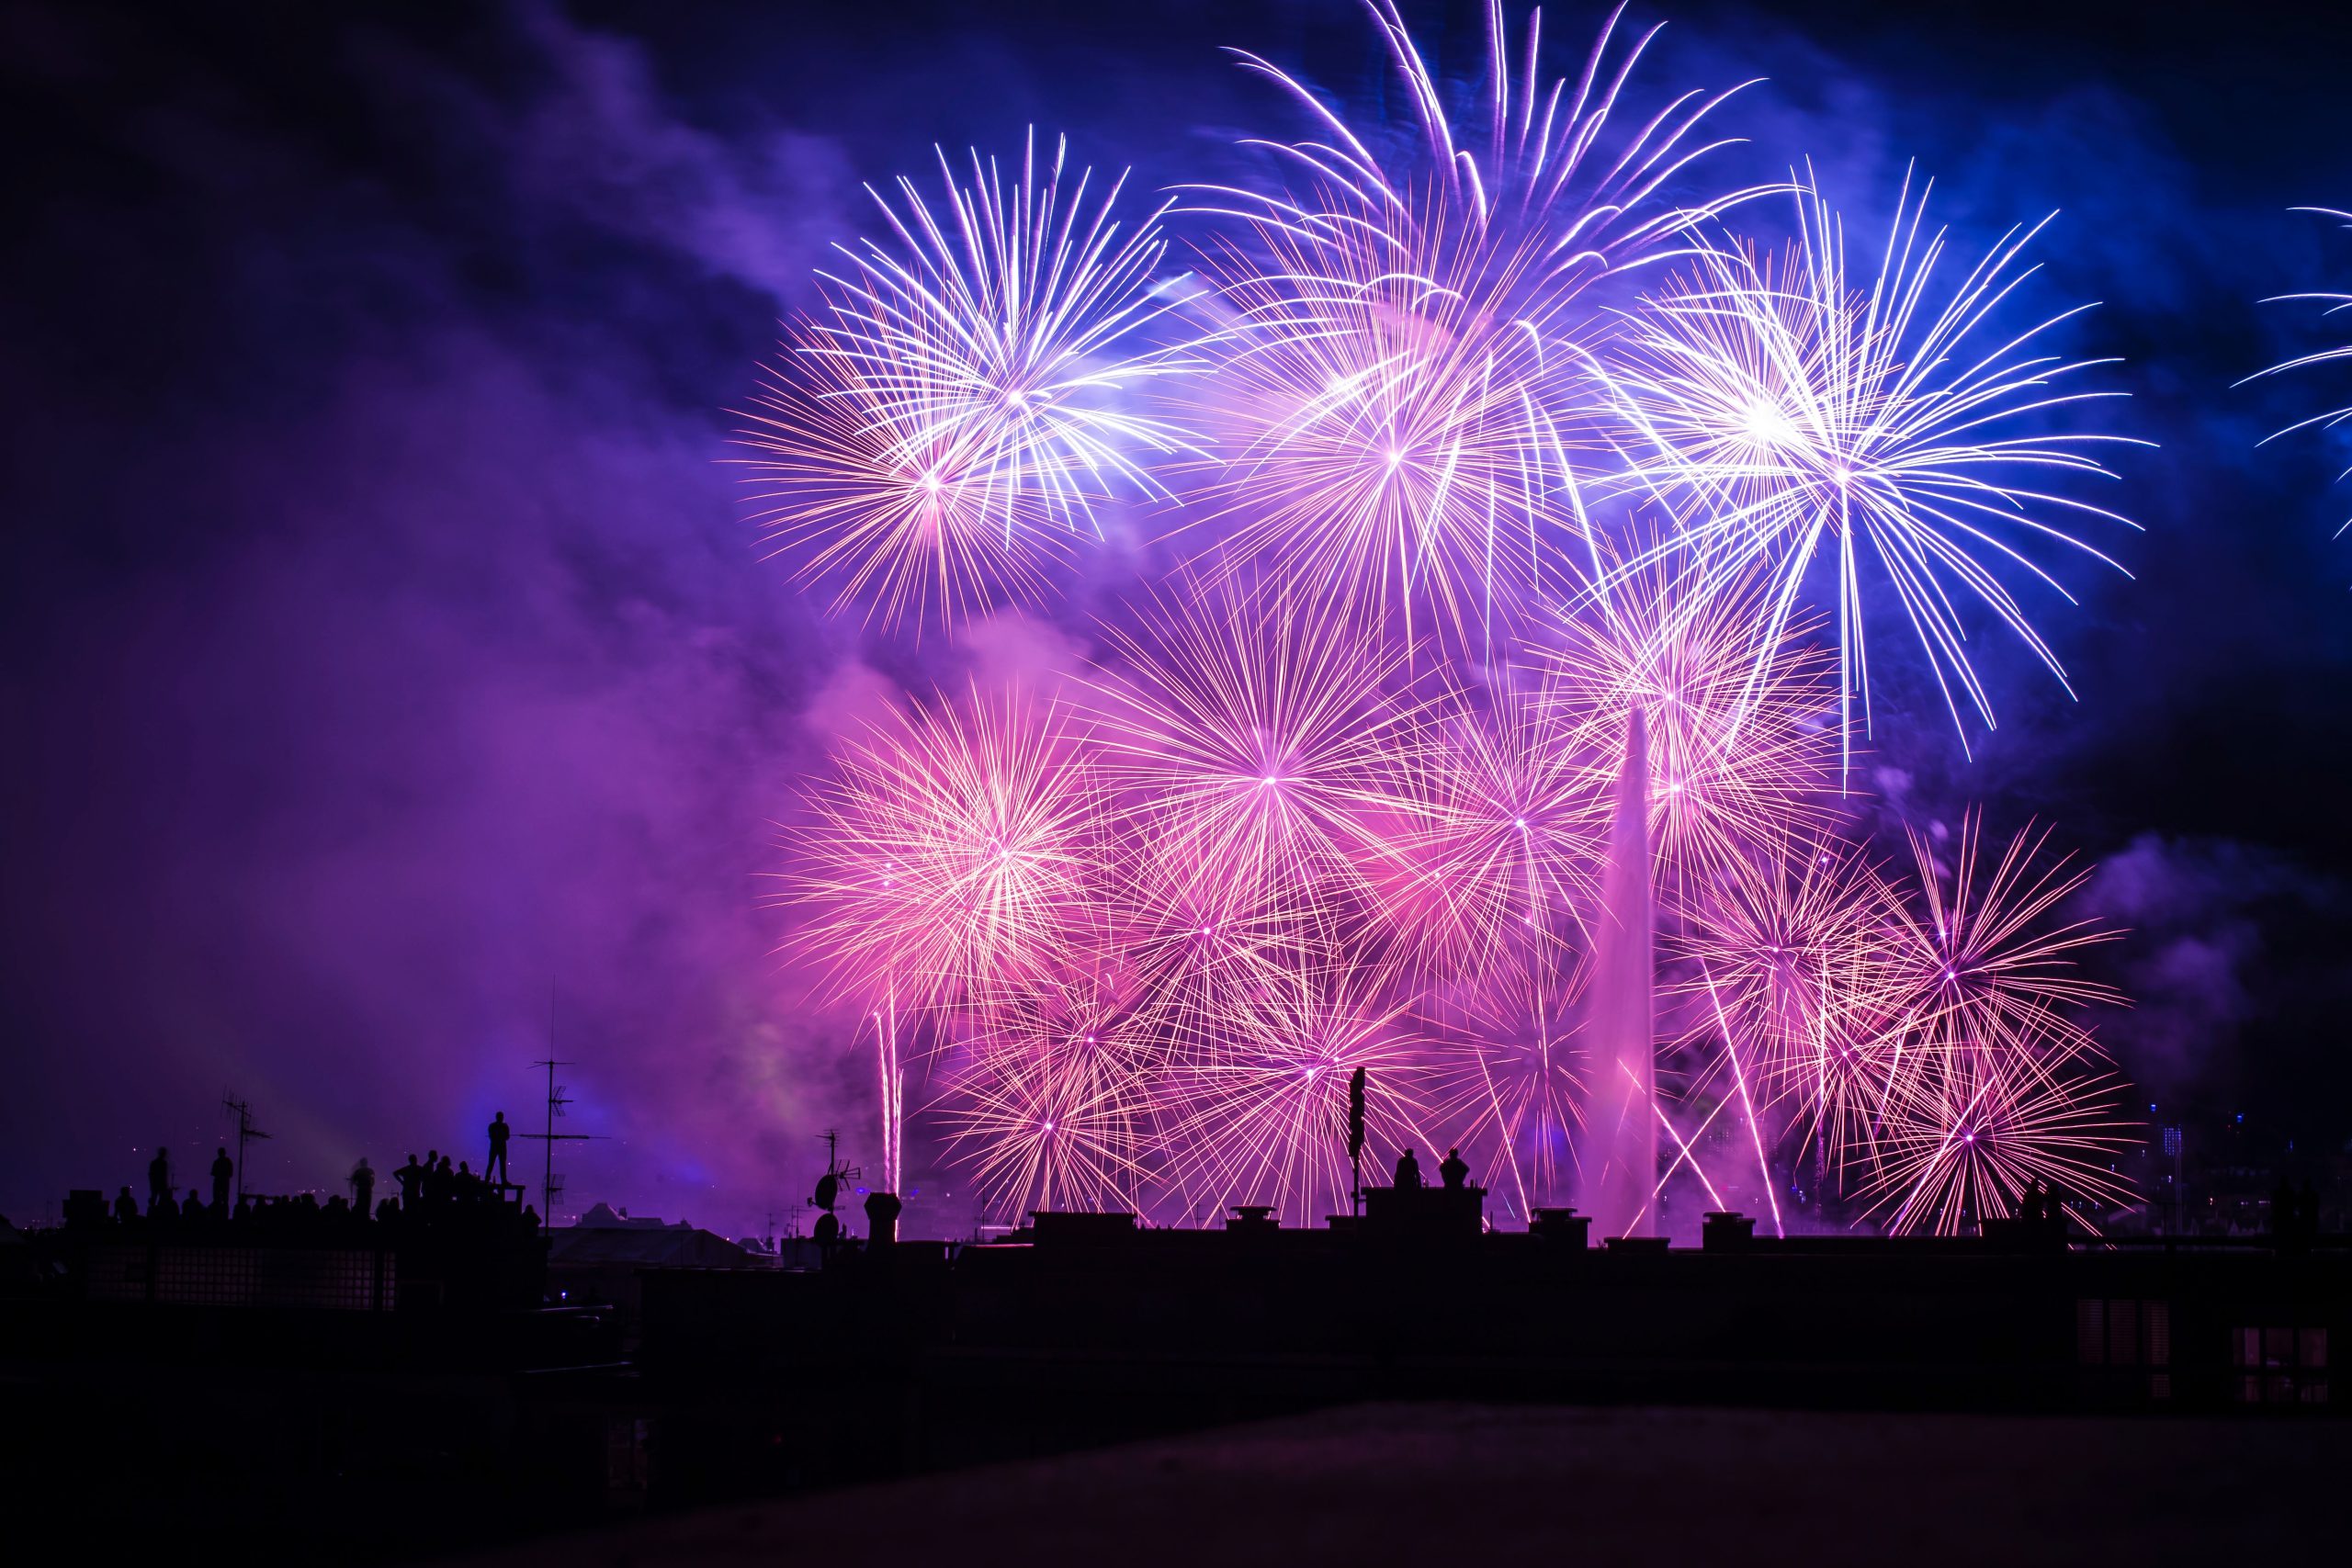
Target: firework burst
(1507, 1071)
(1389, 390)
(1794, 957)
(1257, 1110)
(1738, 745)
(1051, 1095)
(1964, 1142)
(1472, 519)
(1251, 736)
(966, 402)
(1809, 414)
(2331, 304)
(1501, 836)
(1979, 956)
(952, 851)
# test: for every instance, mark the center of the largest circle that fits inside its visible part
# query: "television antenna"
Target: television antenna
(550, 1184)
(246, 1133)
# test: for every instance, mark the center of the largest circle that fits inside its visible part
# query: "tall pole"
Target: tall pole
(246, 1133)
(547, 1150)
(549, 1137)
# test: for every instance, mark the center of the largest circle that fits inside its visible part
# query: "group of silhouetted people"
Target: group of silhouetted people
(163, 1207)
(432, 1193)
(1454, 1171)
(2041, 1204)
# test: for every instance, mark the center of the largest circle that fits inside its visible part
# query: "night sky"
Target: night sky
(387, 655)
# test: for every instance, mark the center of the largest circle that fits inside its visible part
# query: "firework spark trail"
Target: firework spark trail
(963, 404)
(1389, 389)
(893, 1076)
(2333, 303)
(1809, 411)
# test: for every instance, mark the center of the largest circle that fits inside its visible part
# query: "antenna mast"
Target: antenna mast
(549, 1187)
(246, 1133)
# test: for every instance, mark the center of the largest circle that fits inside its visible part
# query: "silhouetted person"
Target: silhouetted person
(495, 1169)
(363, 1186)
(1408, 1171)
(224, 1170)
(465, 1185)
(409, 1176)
(159, 1179)
(126, 1207)
(193, 1208)
(428, 1184)
(1454, 1172)
(160, 1207)
(2053, 1199)
(2033, 1203)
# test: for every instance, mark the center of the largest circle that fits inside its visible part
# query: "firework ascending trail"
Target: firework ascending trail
(2333, 304)
(966, 400)
(1809, 414)
(1390, 395)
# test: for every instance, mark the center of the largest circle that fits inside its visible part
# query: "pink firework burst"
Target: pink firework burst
(1250, 738)
(1507, 1071)
(1979, 956)
(1256, 1110)
(1502, 837)
(1961, 1144)
(1051, 1099)
(953, 850)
